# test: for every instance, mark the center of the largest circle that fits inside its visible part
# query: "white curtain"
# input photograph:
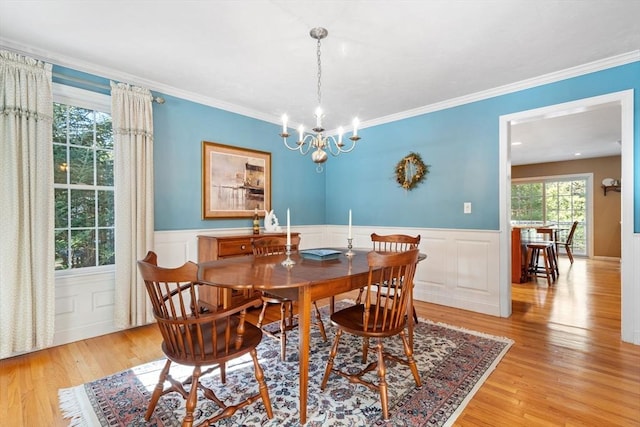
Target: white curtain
(27, 288)
(132, 118)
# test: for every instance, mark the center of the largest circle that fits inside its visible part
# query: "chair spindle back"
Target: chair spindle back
(386, 306)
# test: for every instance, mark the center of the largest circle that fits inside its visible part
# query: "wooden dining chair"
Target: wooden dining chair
(276, 245)
(393, 243)
(569, 241)
(381, 315)
(198, 338)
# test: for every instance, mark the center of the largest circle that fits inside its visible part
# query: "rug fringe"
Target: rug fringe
(72, 405)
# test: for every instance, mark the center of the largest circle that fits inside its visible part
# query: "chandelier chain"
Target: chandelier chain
(319, 75)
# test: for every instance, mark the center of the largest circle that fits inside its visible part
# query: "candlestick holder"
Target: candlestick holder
(288, 263)
(350, 253)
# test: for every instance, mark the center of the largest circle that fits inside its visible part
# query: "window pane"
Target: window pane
(59, 123)
(526, 202)
(104, 167)
(81, 124)
(106, 247)
(62, 208)
(83, 205)
(104, 131)
(83, 248)
(81, 160)
(105, 209)
(564, 202)
(60, 164)
(83, 186)
(62, 250)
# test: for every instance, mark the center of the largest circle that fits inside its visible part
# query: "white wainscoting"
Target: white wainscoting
(461, 270)
(84, 306)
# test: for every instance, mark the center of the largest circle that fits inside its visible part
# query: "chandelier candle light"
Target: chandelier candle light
(318, 140)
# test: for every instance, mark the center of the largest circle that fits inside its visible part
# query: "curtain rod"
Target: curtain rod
(158, 99)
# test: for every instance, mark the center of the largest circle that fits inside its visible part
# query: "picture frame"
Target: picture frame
(235, 181)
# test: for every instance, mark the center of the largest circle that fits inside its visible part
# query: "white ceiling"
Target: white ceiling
(382, 58)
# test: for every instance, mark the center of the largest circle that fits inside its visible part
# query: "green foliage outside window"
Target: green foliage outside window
(83, 181)
(553, 202)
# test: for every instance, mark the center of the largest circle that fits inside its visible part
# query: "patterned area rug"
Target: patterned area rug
(453, 364)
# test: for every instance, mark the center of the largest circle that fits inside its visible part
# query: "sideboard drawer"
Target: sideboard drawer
(227, 248)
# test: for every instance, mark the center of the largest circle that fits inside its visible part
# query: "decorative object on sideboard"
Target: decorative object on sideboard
(610, 184)
(271, 224)
(411, 171)
(319, 141)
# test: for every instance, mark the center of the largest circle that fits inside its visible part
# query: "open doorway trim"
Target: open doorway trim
(630, 294)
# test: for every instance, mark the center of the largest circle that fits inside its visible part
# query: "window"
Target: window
(553, 201)
(83, 179)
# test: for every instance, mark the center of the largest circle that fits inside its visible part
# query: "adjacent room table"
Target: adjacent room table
(306, 281)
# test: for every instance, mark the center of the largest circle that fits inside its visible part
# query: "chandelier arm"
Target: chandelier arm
(300, 145)
(335, 148)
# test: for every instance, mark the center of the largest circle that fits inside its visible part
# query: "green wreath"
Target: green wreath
(411, 171)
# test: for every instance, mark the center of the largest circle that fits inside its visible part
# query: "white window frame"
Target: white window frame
(70, 95)
(589, 200)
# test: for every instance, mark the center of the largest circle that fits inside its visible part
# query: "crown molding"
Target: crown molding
(112, 74)
(591, 67)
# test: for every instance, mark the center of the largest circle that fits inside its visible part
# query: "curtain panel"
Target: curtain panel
(132, 118)
(27, 251)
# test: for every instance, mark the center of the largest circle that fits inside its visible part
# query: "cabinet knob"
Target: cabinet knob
(243, 247)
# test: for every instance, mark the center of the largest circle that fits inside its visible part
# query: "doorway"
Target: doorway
(625, 100)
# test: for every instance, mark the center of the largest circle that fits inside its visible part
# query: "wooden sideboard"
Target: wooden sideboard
(212, 247)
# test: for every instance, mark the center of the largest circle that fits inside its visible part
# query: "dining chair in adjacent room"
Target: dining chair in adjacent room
(569, 241)
(381, 315)
(198, 338)
(277, 245)
(393, 243)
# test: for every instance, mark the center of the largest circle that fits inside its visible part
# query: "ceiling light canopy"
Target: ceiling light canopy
(317, 140)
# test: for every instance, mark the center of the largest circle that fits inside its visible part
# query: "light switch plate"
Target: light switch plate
(467, 207)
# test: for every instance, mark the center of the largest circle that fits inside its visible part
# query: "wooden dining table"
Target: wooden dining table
(305, 281)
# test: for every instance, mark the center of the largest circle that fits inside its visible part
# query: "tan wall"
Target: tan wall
(606, 210)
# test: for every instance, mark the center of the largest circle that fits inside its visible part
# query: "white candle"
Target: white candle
(319, 117)
(340, 132)
(301, 132)
(349, 236)
(288, 229)
(355, 126)
(284, 123)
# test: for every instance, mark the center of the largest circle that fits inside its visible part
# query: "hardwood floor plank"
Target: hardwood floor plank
(567, 366)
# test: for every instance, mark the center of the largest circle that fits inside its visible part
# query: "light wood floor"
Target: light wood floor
(568, 366)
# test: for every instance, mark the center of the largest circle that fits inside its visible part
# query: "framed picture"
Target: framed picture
(235, 181)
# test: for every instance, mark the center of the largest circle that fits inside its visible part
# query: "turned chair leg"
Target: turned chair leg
(365, 349)
(382, 387)
(264, 390)
(261, 316)
(320, 323)
(192, 400)
(283, 330)
(157, 392)
(332, 356)
(408, 351)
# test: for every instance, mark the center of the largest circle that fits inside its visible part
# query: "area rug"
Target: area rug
(453, 364)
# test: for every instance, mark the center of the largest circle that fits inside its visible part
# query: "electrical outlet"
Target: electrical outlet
(467, 207)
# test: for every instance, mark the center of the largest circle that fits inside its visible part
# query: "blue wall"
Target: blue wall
(180, 127)
(460, 144)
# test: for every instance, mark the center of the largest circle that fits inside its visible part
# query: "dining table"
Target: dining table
(305, 281)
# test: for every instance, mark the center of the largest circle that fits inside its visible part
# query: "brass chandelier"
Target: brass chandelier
(318, 141)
